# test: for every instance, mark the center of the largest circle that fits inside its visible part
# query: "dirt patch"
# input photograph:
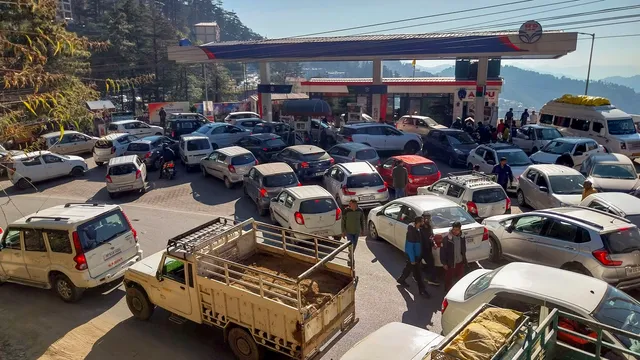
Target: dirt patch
(316, 290)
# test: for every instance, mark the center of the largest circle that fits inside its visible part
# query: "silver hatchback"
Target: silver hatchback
(579, 239)
(358, 181)
(265, 181)
(230, 164)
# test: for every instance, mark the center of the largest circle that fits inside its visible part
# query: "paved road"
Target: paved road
(35, 324)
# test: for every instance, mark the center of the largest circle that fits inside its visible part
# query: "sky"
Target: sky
(611, 56)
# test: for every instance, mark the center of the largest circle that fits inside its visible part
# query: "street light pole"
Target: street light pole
(593, 40)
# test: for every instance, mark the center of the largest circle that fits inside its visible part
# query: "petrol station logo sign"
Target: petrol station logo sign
(530, 32)
(470, 95)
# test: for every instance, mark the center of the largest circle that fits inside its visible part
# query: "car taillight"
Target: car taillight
(133, 231)
(147, 155)
(265, 149)
(299, 183)
(445, 303)
(379, 162)
(113, 149)
(411, 179)
(386, 186)
(348, 138)
(485, 234)
(472, 208)
(346, 191)
(108, 179)
(79, 259)
(332, 161)
(338, 213)
(138, 174)
(263, 192)
(602, 255)
(231, 168)
(173, 134)
(304, 165)
(508, 204)
(299, 218)
(438, 174)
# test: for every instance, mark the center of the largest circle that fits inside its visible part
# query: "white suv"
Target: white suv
(478, 193)
(356, 180)
(44, 165)
(69, 248)
(309, 209)
(135, 127)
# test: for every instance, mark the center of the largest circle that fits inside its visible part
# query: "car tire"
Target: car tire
(204, 172)
(261, 211)
(99, 163)
(520, 197)
(243, 345)
(452, 162)
(66, 290)
(77, 171)
(273, 218)
(139, 304)
(496, 251)
(23, 184)
(227, 183)
(411, 148)
(373, 231)
(158, 133)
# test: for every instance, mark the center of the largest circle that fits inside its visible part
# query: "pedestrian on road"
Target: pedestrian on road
(457, 124)
(588, 189)
(506, 134)
(163, 117)
(453, 255)
(353, 223)
(427, 246)
(412, 250)
(400, 179)
(509, 116)
(533, 119)
(324, 141)
(503, 172)
(524, 117)
(501, 126)
(565, 159)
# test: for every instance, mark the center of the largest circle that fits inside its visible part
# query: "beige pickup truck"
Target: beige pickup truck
(252, 281)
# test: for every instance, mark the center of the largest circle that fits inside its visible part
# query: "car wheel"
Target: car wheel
(158, 133)
(243, 345)
(204, 171)
(77, 171)
(521, 200)
(66, 290)
(373, 232)
(495, 253)
(452, 161)
(261, 211)
(23, 184)
(139, 304)
(411, 148)
(228, 183)
(99, 163)
(273, 219)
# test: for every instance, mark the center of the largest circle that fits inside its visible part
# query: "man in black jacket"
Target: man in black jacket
(426, 239)
(453, 255)
(413, 252)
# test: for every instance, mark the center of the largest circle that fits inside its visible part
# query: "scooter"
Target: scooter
(168, 170)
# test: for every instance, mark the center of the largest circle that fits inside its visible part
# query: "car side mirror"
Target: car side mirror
(578, 153)
(543, 189)
(158, 276)
(509, 228)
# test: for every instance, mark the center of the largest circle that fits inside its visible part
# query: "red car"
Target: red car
(422, 171)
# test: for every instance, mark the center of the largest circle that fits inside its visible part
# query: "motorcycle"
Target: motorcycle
(168, 170)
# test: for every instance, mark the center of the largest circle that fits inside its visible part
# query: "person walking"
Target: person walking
(412, 250)
(324, 140)
(353, 223)
(501, 126)
(565, 159)
(427, 246)
(533, 119)
(400, 179)
(524, 117)
(163, 117)
(453, 255)
(509, 115)
(503, 172)
(588, 189)
(457, 124)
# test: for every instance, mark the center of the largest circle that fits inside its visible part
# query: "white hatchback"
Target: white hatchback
(135, 127)
(309, 209)
(44, 165)
(69, 142)
(110, 146)
(126, 173)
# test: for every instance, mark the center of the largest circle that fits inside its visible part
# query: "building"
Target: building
(64, 10)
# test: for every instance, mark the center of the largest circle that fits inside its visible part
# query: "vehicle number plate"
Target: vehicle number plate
(319, 173)
(469, 240)
(125, 187)
(368, 197)
(633, 270)
(112, 253)
(321, 233)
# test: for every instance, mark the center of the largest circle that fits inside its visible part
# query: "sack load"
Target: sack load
(583, 100)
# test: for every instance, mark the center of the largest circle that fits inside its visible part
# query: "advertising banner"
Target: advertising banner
(169, 107)
(220, 110)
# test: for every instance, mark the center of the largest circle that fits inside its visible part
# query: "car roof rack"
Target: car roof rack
(83, 204)
(618, 217)
(471, 177)
(199, 237)
(590, 223)
(54, 218)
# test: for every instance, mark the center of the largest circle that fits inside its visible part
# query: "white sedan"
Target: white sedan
(390, 222)
(536, 290)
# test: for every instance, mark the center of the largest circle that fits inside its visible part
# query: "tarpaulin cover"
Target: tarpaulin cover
(583, 100)
(485, 335)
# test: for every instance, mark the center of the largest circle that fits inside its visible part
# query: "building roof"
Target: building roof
(100, 105)
(305, 149)
(568, 287)
(628, 204)
(273, 168)
(280, 97)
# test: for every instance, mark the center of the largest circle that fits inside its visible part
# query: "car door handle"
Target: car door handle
(569, 248)
(182, 287)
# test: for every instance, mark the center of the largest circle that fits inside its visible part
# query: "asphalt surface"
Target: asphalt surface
(35, 324)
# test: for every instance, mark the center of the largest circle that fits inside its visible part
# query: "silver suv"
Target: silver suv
(579, 239)
(230, 164)
(356, 180)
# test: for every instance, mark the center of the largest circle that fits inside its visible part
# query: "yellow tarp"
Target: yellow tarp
(583, 100)
(482, 338)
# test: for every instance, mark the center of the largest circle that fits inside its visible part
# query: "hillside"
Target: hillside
(632, 81)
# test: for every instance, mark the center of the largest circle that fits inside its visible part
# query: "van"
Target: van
(595, 118)
(126, 173)
(193, 148)
(69, 248)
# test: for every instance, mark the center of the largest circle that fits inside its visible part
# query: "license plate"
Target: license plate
(111, 253)
(125, 187)
(369, 197)
(633, 270)
(321, 233)
(319, 173)
(469, 240)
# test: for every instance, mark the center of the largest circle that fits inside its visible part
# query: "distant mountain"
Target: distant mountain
(433, 69)
(631, 81)
(355, 69)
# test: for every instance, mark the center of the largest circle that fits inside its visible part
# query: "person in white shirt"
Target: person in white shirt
(533, 117)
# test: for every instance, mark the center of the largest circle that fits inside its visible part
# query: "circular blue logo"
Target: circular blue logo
(462, 94)
(530, 32)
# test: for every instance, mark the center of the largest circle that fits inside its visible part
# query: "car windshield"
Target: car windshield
(279, 180)
(621, 127)
(364, 180)
(558, 147)
(614, 171)
(486, 196)
(367, 154)
(243, 159)
(515, 157)
(198, 144)
(566, 184)
(316, 156)
(621, 311)
(424, 169)
(548, 134)
(102, 230)
(460, 138)
(445, 217)
(104, 144)
(275, 142)
(622, 241)
(480, 284)
(317, 206)
(203, 129)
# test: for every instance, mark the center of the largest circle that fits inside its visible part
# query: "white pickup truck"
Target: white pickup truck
(250, 280)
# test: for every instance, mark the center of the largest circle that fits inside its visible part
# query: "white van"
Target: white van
(611, 127)
(193, 148)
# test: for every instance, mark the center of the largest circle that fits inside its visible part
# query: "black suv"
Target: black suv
(180, 126)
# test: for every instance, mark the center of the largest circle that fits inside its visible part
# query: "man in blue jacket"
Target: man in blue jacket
(503, 172)
(413, 251)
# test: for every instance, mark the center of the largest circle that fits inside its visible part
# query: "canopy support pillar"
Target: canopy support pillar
(483, 69)
(376, 99)
(264, 99)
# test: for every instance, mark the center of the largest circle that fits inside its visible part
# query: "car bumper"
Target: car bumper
(115, 188)
(111, 275)
(333, 230)
(365, 204)
(103, 158)
(476, 253)
(235, 178)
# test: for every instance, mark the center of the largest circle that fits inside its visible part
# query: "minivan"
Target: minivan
(192, 149)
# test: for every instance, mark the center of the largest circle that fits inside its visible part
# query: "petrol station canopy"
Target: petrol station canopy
(505, 45)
